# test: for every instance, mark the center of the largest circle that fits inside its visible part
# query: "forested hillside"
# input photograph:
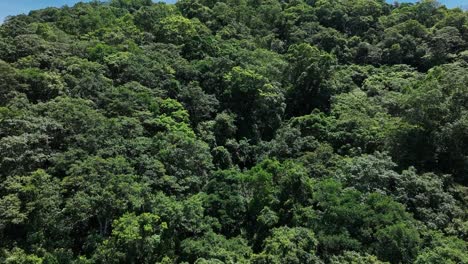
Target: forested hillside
(234, 131)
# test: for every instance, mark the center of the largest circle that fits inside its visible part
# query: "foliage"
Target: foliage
(248, 131)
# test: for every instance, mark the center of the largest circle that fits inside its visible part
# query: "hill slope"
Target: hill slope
(256, 131)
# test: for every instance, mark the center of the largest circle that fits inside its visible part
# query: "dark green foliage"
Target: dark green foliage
(253, 131)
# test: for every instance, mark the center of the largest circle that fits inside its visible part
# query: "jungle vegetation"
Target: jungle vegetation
(234, 131)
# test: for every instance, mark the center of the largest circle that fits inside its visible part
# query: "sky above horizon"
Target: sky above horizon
(15, 7)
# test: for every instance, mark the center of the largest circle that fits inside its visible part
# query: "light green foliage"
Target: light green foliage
(289, 245)
(447, 250)
(351, 257)
(428, 196)
(134, 239)
(18, 256)
(216, 247)
(176, 29)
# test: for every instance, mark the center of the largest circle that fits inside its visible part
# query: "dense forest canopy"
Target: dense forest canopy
(234, 131)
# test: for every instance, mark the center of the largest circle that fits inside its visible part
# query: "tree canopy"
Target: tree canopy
(234, 131)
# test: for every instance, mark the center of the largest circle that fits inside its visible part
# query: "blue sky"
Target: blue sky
(14, 7)
(449, 3)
